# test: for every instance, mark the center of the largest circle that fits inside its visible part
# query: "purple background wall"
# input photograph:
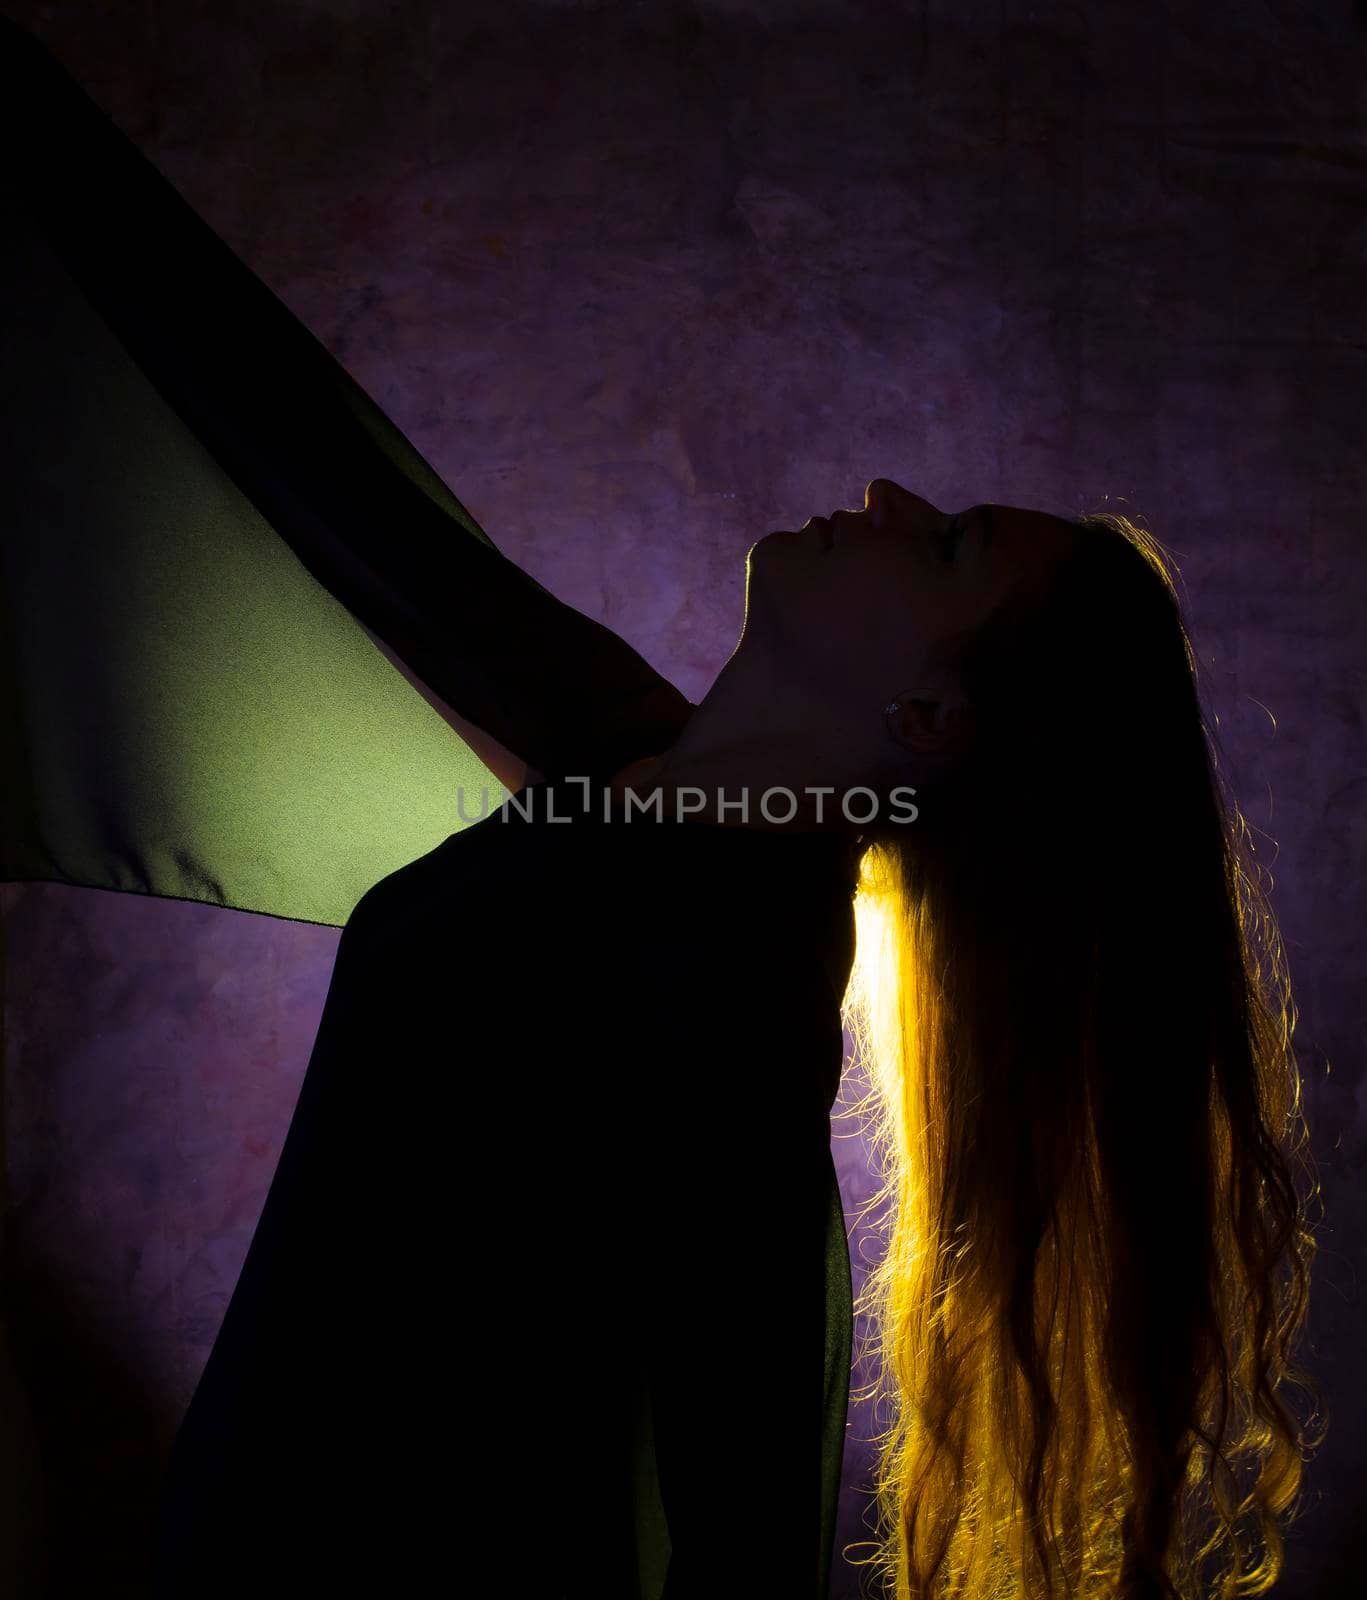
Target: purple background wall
(643, 282)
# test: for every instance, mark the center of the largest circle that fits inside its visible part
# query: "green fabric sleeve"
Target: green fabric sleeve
(203, 518)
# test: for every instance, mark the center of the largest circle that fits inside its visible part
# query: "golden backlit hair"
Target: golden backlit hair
(1073, 1009)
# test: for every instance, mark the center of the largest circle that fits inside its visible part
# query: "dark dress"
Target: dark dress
(555, 1299)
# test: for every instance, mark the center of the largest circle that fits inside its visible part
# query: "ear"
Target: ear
(930, 721)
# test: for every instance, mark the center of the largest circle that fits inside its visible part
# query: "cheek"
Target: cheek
(838, 636)
(844, 611)
(875, 601)
(880, 624)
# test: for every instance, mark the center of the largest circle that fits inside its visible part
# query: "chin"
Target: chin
(770, 546)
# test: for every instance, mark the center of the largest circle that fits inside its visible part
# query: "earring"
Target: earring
(891, 709)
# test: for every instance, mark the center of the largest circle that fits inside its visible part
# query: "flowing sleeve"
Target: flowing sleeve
(215, 552)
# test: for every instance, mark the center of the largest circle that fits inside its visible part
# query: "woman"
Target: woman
(549, 1294)
(1088, 1158)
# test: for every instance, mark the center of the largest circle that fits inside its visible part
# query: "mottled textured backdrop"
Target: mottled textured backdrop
(644, 282)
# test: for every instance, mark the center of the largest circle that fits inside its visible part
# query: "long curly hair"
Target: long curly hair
(1073, 1008)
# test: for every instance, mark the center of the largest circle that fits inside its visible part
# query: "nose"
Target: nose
(880, 500)
(876, 500)
(886, 501)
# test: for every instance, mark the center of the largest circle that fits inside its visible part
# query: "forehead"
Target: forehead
(1017, 522)
(1024, 551)
(1030, 542)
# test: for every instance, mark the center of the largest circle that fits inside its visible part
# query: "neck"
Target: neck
(743, 740)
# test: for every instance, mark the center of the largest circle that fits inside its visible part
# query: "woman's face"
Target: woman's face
(858, 608)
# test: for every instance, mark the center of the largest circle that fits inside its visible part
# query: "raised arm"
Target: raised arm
(352, 498)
